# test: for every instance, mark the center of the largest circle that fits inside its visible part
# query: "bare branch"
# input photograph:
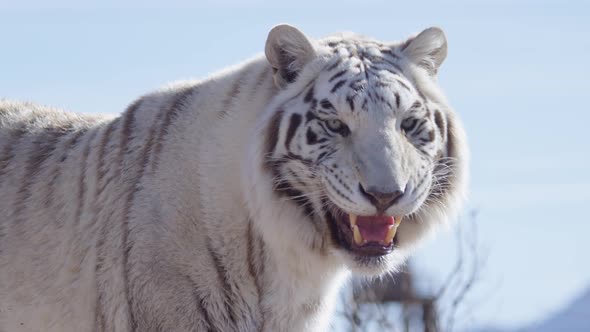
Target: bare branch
(373, 307)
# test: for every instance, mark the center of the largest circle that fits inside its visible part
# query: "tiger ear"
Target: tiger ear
(287, 50)
(428, 49)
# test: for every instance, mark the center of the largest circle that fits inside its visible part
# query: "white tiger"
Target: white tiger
(237, 203)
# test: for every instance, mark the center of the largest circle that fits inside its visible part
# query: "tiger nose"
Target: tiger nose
(382, 200)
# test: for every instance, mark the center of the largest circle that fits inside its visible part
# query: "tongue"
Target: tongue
(374, 228)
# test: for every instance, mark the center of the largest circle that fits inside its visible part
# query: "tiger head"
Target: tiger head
(359, 153)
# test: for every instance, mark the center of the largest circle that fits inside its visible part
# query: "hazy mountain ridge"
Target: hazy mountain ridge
(575, 317)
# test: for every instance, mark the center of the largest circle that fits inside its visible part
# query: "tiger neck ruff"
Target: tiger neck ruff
(236, 203)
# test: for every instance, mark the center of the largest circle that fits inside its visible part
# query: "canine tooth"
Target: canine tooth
(390, 234)
(358, 238)
(352, 218)
(397, 220)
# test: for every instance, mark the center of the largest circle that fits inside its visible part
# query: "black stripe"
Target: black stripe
(262, 77)
(358, 84)
(285, 188)
(328, 112)
(339, 192)
(261, 80)
(9, 149)
(325, 103)
(364, 105)
(99, 321)
(440, 123)
(272, 137)
(451, 138)
(337, 86)
(294, 122)
(430, 136)
(335, 234)
(293, 156)
(102, 234)
(126, 135)
(334, 65)
(127, 131)
(254, 268)
(234, 92)
(176, 107)
(43, 145)
(327, 131)
(381, 99)
(135, 183)
(312, 138)
(342, 182)
(420, 128)
(100, 167)
(224, 281)
(296, 178)
(148, 151)
(201, 307)
(364, 69)
(98, 271)
(310, 115)
(309, 95)
(261, 253)
(350, 100)
(403, 84)
(56, 172)
(82, 179)
(382, 84)
(335, 76)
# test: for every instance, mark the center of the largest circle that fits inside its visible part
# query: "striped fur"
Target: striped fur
(209, 205)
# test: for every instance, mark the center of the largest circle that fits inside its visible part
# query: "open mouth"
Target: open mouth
(366, 235)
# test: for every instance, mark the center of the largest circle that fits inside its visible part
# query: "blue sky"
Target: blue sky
(517, 73)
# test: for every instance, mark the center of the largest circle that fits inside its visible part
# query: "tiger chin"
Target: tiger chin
(241, 202)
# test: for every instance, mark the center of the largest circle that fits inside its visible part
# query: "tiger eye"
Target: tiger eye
(338, 126)
(409, 124)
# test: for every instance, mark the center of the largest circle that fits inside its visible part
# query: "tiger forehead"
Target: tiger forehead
(355, 44)
(364, 62)
(364, 74)
(367, 51)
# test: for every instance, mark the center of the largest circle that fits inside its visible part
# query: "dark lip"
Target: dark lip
(342, 236)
